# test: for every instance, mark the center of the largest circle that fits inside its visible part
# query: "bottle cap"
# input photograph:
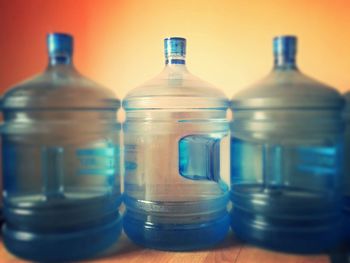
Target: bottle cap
(60, 44)
(285, 46)
(175, 47)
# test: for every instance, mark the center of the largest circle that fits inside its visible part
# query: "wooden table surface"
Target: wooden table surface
(230, 250)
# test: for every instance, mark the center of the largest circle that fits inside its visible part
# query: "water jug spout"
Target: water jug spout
(284, 50)
(60, 48)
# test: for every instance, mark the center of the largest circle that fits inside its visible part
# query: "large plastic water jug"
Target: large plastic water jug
(60, 156)
(286, 156)
(175, 149)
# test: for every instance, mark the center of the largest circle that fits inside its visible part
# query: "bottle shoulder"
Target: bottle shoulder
(58, 87)
(176, 87)
(290, 88)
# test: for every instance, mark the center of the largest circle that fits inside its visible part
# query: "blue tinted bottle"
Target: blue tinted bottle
(175, 137)
(60, 150)
(286, 156)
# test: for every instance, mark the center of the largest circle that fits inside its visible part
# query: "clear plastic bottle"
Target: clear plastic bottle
(60, 155)
(286, 157)
(346, 181)
(174, 143)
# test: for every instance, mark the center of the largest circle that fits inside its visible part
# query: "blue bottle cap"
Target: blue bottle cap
(60, 44)
(175, 46)
(285, 46)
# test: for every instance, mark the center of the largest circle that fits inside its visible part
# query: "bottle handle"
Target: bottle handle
(199, 157)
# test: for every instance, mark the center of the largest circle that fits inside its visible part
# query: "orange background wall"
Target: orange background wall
(119, 42)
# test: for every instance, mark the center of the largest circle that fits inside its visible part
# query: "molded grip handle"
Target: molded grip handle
(199, 157)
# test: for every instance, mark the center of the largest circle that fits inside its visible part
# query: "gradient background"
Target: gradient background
(119, 42)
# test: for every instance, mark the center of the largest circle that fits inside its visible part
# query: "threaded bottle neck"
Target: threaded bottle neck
(60, 49)
(175, 50)
(284, 50)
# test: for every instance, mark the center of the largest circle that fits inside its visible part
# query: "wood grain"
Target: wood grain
(230, 250)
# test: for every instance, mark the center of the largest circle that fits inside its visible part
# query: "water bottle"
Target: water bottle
(346, 175)
(174, 146)
(60, 156)
(286, 155)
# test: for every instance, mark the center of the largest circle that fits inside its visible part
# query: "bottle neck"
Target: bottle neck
(175, 68)
(285, 50)
(55, 60)
(285, 62)
(175, 60)
(175, 51)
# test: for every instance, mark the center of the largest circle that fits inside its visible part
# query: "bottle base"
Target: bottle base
(176, 237)
(290, 239)
(58, 247)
